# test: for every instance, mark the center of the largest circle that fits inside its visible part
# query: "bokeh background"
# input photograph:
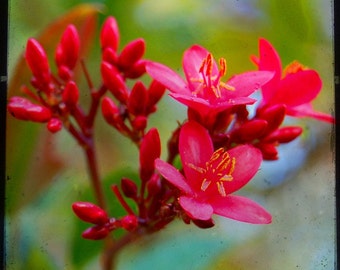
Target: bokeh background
(45, 173)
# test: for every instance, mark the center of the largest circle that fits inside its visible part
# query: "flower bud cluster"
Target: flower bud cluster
(131, 108)
(57, 96)
(103, 225)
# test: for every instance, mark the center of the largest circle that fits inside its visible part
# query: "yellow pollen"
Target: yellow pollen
(223, 67)
(293, 67)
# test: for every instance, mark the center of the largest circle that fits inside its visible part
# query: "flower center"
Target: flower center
(217, 170)
(211, 84)
(293, 67)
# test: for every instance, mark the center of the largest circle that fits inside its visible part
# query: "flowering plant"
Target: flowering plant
(215, 152)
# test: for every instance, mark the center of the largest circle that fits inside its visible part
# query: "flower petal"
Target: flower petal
(171, 174)
(167, 77)
(248, 160)
(195, 149)
(196, 209)
(192, 61)
(247, 83)
(298, 88)
(269, 60)
(241, 209)
(306, 110)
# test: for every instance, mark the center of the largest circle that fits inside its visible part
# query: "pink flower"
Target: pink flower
(204, 91)
(295, 87)
(210, 177)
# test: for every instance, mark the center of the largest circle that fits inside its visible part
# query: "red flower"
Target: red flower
(212, 176)
(204, 91)
(295, 87)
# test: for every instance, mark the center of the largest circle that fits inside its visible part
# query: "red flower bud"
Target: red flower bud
(204, 224)
(131, 53)
(54, 125)
(67, 52)
(129, 222)
(114, 82)
(153, 185)
(96, 232)
(70, 94)
(23, 109)
(274, 116)
(249, 131)
(269, 151)
(155, 93)
(110, 110)
(140, 123)
(129, 188)
(137, 70)
(110, 56)
(150, 149)
(137, 99)
(109, 35)
(89, 212)
(37, 61)
(284, 135)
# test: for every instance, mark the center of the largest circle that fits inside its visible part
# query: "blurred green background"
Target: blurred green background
(45, 173)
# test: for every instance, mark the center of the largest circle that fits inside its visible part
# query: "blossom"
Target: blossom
(210, 177)
(204, 91)
(295, 86)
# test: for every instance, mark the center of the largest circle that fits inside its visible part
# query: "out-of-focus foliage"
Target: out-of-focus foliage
(42, 232)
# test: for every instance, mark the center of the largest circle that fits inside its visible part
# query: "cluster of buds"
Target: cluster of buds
(131, 108)
(56, 97)
(103, 225)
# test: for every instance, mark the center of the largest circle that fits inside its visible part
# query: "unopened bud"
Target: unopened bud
(268, 150)
(129, 222)
(150, 149)
(67, 52)
(249, 131)
(37, 61)
(70, 94)
(89, 212)
(274, 116)
(154, 185)
(129, 188)
(23, 109)
(284, 135)
(54, 125)
(155, 93)
(136, 70)
(96, 232)
(109, 35)
(137, 99)
(140, 123)
(131, 53)
(113, 80)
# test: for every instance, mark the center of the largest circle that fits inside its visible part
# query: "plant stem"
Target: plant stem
(93, 171)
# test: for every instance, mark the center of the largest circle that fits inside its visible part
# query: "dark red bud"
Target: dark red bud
(136, 71)
(129, 188)
(137, 99)
(65, 73)
(274, 115)
(110, 110)
(129, 223)
(269, 151)
(131, 53)
(204, 224)
(284, 135)
(96, 232)
(67, 52)
(249, 131)
(89, 212)
(155, 93)
(23, 109)
(153, 185)
(37, 61)
(110, 56)
(54, 125)
(70, 94)
(109, 35)
(140, 123)
(113, 80)
(150, 149)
